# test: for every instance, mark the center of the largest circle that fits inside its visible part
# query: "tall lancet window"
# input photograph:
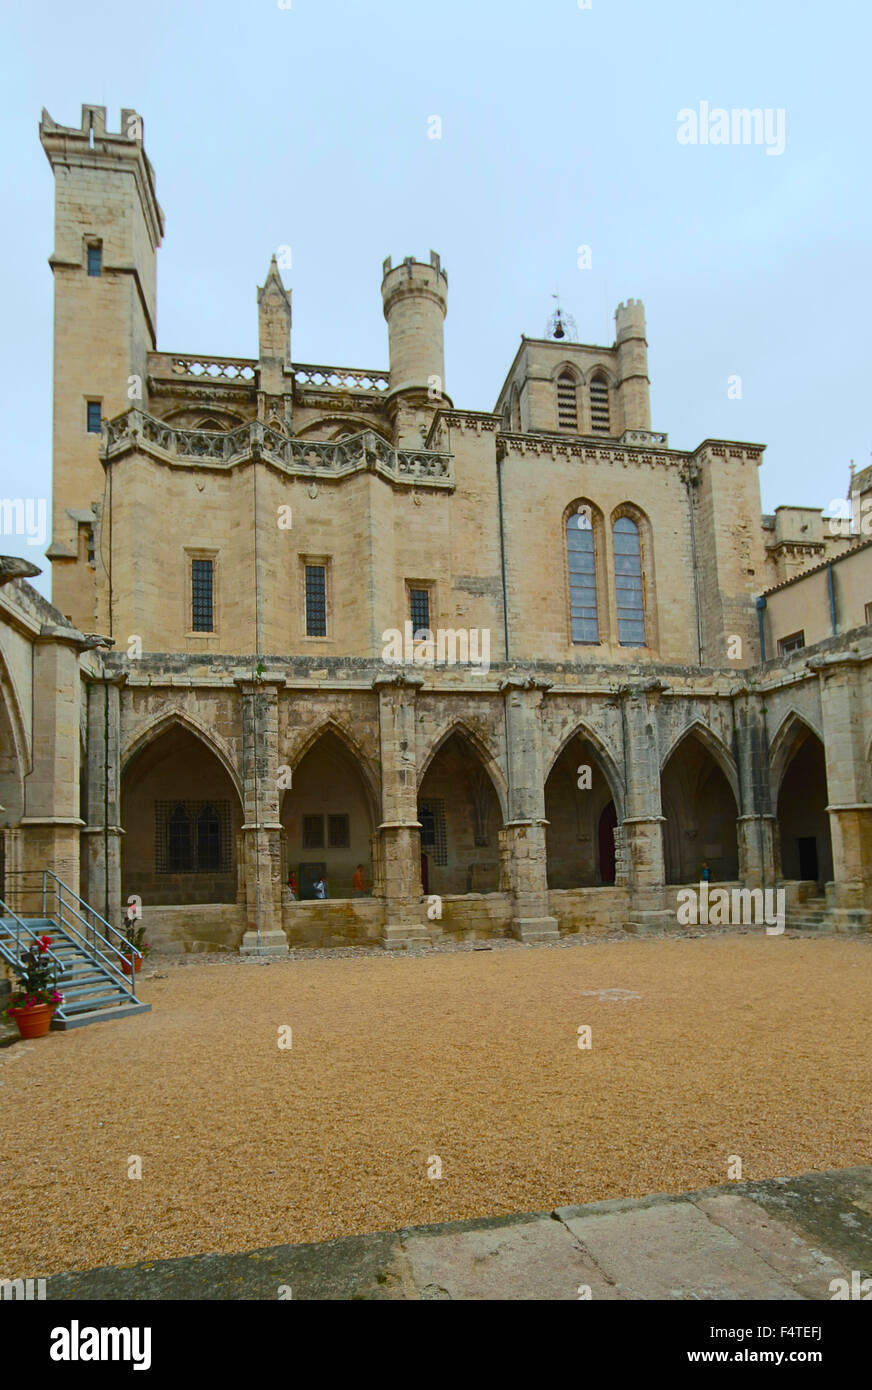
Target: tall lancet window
(629, 589)
(582, 578)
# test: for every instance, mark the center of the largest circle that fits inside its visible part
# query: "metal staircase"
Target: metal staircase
(87, 956)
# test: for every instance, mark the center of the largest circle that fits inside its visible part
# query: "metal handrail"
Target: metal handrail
(15, 960)
(95, 950)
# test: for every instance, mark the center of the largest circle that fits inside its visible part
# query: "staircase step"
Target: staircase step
(79, 1020)
(91, 1002)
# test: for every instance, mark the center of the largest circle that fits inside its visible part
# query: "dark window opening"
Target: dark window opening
(316, 601)
(95, 417)
(419, 610)
(192, 837)
(313, 832)
(338, 832)
(202, 616)
(95, 260)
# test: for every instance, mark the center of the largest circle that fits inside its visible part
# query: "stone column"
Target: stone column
(523, 838)
(101, 837)
(843, 677)
(398, 864)
(262, 829)
(755, 826)
(51, 822)
(650, 908)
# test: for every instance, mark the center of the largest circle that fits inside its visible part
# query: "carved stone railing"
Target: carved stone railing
(645, 437)
(341, 378)
(196, 367)
(315, 458)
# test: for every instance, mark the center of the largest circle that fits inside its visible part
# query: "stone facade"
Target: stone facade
(193, 750)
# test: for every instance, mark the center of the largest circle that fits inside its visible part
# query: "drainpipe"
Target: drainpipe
(760, 604)
(831, 588)
(502, 552)
(689, 480)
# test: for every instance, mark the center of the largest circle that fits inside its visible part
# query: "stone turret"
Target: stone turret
(108, 226)
(415, 300)
(274, 348)
(632, 348)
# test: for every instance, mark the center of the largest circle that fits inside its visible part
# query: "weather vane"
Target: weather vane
(561, 325)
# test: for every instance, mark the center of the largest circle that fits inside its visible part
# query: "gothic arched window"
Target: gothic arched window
(582, 577)
(629, 590)
(599, 404)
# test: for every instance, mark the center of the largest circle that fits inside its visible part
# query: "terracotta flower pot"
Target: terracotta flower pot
(35, 1021)
(137, 964)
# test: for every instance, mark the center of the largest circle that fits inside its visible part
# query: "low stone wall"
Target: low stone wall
(194, 927)
(588, 909)
(334, 922)
(466, 916)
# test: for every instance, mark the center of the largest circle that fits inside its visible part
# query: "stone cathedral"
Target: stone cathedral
(515, 671)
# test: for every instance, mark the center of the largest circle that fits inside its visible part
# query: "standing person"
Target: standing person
(320, 888)
(292, 886)
(358, 883)
(705, 873)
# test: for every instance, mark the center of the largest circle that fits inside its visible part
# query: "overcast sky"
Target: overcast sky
(309, 127)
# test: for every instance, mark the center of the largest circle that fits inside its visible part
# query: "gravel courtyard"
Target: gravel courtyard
(702, 1048)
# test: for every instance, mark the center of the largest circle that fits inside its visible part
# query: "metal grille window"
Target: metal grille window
(599, 405)
(628, 583)
(794, 643)
(582, 579)
(419, 610)
(316, 601)
(95, 260)
(192, 837)
(338, 832)
(434, 840)
(313, 832)
(95, 412)
(202, 576)
(567, 403)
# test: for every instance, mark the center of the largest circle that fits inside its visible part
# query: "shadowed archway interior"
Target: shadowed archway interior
(803, 823)
(580, 835)
(701, 813)
(328, 818)
(460, 817)
(181, 817)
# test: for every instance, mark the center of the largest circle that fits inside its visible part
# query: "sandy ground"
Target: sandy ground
(736, 1045)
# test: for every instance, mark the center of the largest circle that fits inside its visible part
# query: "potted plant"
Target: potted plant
(135, 936)
(36, 998)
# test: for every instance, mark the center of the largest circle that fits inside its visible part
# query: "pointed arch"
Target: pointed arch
(13, 767)
(715, 746)
(332, 726)
(465, 730)
(612, 771)
(177, 716)
(791, 733)
(328, 428)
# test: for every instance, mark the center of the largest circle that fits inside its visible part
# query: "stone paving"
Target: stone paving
(785, 1239)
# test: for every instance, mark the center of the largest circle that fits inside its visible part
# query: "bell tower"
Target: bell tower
(108, 226)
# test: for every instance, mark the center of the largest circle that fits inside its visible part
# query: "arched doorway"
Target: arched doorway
(460, 817)
(701, 812)
(582, 819)
(181, 816)
(328, 818)
(803, 823)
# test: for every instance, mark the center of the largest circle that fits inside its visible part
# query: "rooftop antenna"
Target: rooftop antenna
(561, 325)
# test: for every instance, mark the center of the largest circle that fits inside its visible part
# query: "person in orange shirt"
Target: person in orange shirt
(358, 882)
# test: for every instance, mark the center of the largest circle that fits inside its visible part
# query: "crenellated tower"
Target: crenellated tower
(108, 226)
(415, 300)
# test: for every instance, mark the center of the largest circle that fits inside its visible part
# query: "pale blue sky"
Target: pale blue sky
(308, 127)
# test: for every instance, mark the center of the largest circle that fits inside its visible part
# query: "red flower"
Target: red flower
(43, 942)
